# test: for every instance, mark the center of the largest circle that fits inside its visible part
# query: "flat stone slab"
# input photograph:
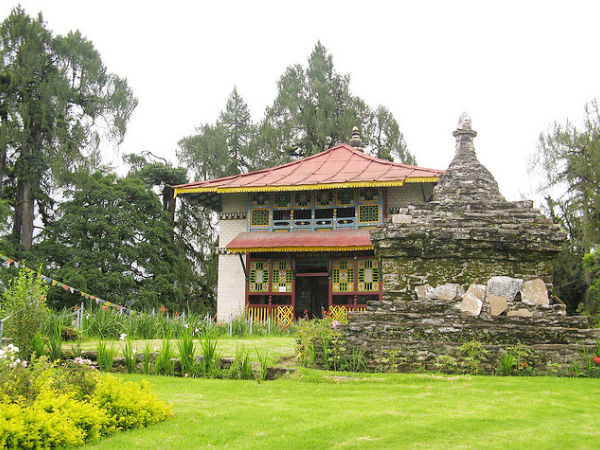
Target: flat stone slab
(504, 287)
(423, 292)
(478, 290)
(497, 303)
(448, 292)
(470, 305)
(534, 292)
(520, 313)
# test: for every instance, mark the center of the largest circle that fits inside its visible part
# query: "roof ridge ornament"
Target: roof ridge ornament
(356, 141)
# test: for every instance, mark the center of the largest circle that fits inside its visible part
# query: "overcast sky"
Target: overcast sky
(514, 66)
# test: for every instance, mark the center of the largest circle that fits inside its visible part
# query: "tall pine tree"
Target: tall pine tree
(58, 100)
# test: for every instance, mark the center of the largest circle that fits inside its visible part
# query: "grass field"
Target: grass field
(278, 348)
(319, 410)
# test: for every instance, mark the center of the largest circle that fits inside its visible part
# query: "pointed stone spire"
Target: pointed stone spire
(356, 141)
(466, 180)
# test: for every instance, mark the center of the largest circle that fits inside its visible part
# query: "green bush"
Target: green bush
(129, 405)
(69, 333)
(24, 305)
(52, 420)
(49, 406)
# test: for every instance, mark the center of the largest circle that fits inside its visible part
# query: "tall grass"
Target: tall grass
(106, 356)
(107, 324)
(210, 362)
(163, 365)
(186, 349)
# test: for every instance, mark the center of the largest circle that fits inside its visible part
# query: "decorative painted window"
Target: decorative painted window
(303, 199)
(258, 280)
(369, 275)
(325, 209)
(282, 276)
(345, 197)
(282, 200)
(260, 199)
(260, 217)
(368, 195)
(368, 213)
(343, 275)
(324, 198)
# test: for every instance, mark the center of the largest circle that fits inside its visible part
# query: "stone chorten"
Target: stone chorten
(466, 179)
(467, 232)
(469, 235)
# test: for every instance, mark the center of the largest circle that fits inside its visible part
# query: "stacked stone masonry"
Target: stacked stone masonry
(467, 266)
(417, 335)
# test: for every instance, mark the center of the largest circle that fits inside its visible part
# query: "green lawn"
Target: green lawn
(319, 410)
(278, 348)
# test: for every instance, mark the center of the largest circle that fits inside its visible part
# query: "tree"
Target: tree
(236, 121)
(191, 230)
(111, 240)
(315, 110)
(60, 100)
(569, 158)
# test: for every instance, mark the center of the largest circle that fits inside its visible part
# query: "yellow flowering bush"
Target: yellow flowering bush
(47, 406)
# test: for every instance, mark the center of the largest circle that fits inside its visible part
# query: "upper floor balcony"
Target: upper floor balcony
(324, 209)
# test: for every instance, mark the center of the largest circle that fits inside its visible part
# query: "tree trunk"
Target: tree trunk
(3, 138)
(23, 226)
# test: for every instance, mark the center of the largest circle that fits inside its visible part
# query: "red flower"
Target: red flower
(596, 360)
(163, 309)
(176, 313)
(523, 365)
(75, 308)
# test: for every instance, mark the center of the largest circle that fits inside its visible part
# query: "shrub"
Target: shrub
(52, 420)
(129, 405)
(69, 333)
(45, 406)
(314, 340)
(516, 361)
(473, 354)
(24, 305)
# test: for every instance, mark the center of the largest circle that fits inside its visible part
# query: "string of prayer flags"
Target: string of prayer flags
(6, 261)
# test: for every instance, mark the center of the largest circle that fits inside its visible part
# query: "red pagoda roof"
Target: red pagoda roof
(338, 167)
(301, 241)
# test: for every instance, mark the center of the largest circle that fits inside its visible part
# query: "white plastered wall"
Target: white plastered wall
(231, 283)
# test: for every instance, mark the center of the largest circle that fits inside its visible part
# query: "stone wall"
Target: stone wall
(434, 243)
(424, 335)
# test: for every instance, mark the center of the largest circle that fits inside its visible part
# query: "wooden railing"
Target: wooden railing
(284, 314)
(340, 312)
(280, 314)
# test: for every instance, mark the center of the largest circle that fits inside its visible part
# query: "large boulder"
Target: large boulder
(504, 287)
(534, 292)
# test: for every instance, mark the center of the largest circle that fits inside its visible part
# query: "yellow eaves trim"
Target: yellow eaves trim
(302, 187)
(300, 249)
